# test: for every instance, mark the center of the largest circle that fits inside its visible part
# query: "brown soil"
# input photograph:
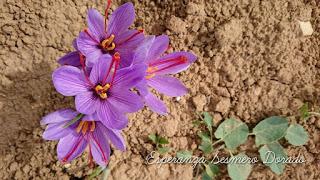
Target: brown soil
(253, 63)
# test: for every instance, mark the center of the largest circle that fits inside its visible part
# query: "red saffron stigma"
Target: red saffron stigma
(90, 158)
(177, 61)
(65, 159)
(100, 148)
(132, 36)
(106, 15)
(116, 59)
(83, 65)
(91, 37)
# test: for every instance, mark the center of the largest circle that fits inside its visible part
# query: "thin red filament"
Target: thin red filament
(181, 59)
(100, 148)
(115, 62)
(132, 36)
(83, 65)
(106, 15)
(65, 159)
(91, 37)
(90, 158)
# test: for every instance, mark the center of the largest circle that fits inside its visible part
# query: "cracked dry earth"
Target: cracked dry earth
(253, 62)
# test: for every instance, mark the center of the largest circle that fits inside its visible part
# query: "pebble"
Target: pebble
(306, 28)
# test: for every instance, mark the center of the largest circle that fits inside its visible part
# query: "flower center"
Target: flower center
(102, 90)
(84, 126)
(108, 43)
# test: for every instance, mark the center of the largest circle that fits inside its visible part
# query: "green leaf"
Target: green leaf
(272, 156)
(304, 111)
(77, 118)
(297, 135)
(162, 140)
(163, 150)
(238, 170)
(270, 130)
(211, 169)
(184, 154)
(207, 120)
(232, 132)
(96, 172)
(153, 138)
(204, 136)
(205, 176)
(206, 147)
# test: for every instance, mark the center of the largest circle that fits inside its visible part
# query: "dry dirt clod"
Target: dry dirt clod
(199, 102)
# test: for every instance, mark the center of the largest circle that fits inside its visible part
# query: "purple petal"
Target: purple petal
(96, 24)
(114, 136)
(100, 69)
(59, 116)
(155, 104)
(111, 117)
(126, 45)
(72, 59)
(86, 102)
(170, 66)
(142, 87)
(69, 81)
(127, 78)
(159, 46)
(125, 100)
(169, 86)
(100, 148)
(121, 19)
(71, 147)
(57, 131)
(142, 51)
(90, 48)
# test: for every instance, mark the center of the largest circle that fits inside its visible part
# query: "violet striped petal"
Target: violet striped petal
(121, 19)
(110, 116)
(96, 24)
(71, 147)
(86, 102)
(169, 86)
(125, 100)
(72, 59)
(69, 81)
(155, 104)
(100, 69)
(100, 148)
(159, 46)
(59, 116)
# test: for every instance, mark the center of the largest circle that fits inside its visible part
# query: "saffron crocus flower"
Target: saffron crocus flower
(75, 137)
(105, 91)
(101, 38)
(159, 67)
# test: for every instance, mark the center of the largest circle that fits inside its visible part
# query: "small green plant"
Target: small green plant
(305, 113)
(159, 142)
(232, 133)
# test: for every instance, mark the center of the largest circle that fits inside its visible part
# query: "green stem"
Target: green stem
(78, 117)
(105, 174)
(215, 143)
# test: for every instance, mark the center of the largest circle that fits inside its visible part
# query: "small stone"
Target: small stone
(13, 166)
(26, 169)
(223, 105)
(178, 98)
(216, 118)
(172, 127)
(177, 25)
(199, 102)
(306, 28)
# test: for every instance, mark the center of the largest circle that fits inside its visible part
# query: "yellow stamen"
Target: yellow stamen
(102, 91)
(150, 76)
(93, 126)
(151, 69)
(108, 43)
(85, 127)
(80, 126)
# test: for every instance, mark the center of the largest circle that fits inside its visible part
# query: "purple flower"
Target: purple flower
(74, 138)
(116, 37)
(105, 91)
(72, 58)
(159, 67)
